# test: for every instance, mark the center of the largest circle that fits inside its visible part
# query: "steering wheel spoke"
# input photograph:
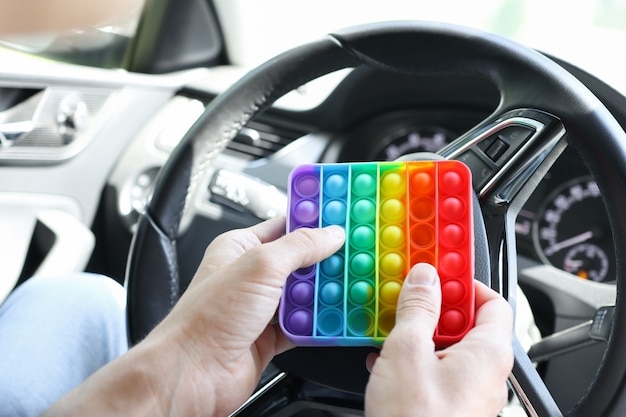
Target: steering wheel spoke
(530, 389)
(508, 155)
(505, 152)
(590, 332)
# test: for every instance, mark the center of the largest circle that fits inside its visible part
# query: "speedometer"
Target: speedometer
(572, 231)
(414, 139)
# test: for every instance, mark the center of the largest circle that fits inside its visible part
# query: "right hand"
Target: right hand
(410, 377)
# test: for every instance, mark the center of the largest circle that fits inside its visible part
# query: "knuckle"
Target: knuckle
(305, 246)
(304, 237)
(418, 305)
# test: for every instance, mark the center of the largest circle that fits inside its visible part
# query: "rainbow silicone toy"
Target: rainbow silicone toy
(396, 214)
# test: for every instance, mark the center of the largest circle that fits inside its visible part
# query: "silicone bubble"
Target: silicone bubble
(392, 236)
(334, 212)
(335, 185)
(361, 292)
(305, 211)
(364, 210)
(307, 186)
(332, 266)
(330, 322)
(364, 185)
(331, 293)
(390, 291)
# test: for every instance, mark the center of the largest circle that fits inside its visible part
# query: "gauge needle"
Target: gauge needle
(551, 250)
(573, 264)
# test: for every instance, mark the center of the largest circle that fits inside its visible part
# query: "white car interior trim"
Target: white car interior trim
(72, 247)
(19, 213)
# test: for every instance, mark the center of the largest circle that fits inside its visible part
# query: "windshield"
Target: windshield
(588, 33)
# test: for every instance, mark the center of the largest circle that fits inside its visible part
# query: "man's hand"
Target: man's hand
(207, 355)
(467, 379)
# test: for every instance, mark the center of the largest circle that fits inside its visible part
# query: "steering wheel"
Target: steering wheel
(542, 109)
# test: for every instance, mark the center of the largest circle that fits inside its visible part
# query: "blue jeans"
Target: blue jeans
(54, 333)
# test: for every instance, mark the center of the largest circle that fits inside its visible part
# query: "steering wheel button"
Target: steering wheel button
(497, 149)
(481, 171)
(396, 214)
(517, 134)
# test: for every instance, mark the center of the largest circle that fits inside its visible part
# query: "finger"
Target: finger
(229, 246)
(492, 332)
(492, 311)
(308, 246)
(303, 247)
(419, 302)
(250, 237)
(282, 343)
(269, 230)
(483, 294)
(503, 398)
(370, 361)
(418, 310)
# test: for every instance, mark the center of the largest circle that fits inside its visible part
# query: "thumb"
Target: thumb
(419, 303)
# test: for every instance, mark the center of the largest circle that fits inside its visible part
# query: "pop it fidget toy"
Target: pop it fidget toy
(396, 214)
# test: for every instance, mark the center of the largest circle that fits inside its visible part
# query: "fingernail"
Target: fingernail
(422, 274)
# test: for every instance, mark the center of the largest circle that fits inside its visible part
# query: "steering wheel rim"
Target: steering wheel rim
(532, 88)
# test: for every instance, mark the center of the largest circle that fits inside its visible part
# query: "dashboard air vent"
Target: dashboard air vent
(259, 140)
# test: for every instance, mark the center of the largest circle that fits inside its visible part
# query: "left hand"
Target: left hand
(222, 322)
(207, 355)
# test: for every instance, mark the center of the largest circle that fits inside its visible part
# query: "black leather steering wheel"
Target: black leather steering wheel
(542, 110)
